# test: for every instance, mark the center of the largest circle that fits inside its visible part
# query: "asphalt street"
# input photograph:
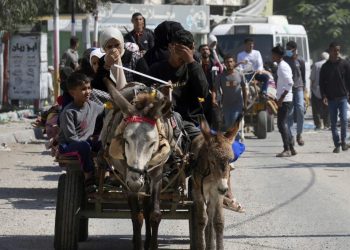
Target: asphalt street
(301, 202)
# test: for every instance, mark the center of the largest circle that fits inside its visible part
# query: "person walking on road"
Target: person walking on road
(298, 69)
(232, 87)
(335, 86)
(319, 109)
(284, 101)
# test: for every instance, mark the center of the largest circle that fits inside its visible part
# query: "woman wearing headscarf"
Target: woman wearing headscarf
(95, 56)
(213, 45)
(112, 43)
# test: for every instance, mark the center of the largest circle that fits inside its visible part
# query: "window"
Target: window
(278, 41)
(233, 44)
(285, 40)
(306, 49)
(301, 50)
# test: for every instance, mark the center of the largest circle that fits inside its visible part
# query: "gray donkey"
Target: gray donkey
(138, 151)
(212, 154)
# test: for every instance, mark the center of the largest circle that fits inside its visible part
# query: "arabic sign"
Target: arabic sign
(24, 67)
(194, 18)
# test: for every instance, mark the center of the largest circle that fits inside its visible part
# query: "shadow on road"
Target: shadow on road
(306, 165)
(55, 169)
(94, 242)
(30, 198)
(287, 236)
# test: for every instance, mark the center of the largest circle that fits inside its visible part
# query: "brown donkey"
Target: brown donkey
(212, 154)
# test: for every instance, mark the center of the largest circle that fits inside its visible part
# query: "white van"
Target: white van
(266, 32)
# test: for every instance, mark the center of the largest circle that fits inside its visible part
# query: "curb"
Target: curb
(24, 136)
(15, 115)
(20, 135)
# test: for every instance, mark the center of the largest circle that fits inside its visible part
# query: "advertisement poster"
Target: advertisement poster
(24, 67)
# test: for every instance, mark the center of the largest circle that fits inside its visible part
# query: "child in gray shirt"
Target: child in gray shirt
(77, 125)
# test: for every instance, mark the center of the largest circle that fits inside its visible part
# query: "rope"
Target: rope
(181, 170)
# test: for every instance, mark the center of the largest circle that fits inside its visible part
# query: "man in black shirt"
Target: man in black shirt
(140, 35)
(298, 69)
(211, 70)
(187, 77)
(334, 87)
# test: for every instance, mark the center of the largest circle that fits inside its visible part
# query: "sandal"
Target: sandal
(232, 204)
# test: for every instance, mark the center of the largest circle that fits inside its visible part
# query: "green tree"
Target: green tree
(324, 20)
(16, 12)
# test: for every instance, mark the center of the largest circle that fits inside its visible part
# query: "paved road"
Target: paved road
(302, 202)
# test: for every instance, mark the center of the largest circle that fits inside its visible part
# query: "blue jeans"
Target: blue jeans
(82, 149)
(230, 116)
(264, 79)
(298, 110)
(341, 106)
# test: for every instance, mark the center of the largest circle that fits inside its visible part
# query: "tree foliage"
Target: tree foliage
(324, 20)
(16, 12)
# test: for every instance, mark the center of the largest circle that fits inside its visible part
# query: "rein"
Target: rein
(153, 122)
(139, 119)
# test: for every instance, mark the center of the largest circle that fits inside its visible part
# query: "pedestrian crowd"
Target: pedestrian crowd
(205, 84)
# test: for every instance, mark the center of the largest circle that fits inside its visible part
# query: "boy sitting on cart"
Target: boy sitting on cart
(77, 125)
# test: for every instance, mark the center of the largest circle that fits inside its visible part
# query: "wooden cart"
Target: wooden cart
(74, 207)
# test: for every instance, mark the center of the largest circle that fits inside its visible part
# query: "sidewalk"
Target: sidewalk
(15, 127)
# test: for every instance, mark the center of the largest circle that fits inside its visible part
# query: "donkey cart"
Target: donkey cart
(74, 207)
(261, 108)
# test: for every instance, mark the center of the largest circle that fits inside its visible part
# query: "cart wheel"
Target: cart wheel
(59, 209)
(83, 229)
(270, 122)
(261, 127)
(83, 221)
(67, 238)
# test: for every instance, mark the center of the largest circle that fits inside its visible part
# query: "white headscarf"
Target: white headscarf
(212, 38)
(96, 52)
(117, 74)
(109, 33)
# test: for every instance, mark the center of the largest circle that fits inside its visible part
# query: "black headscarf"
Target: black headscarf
(163, 34)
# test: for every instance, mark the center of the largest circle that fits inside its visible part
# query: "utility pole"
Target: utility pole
(73, 32)
(56, 46)
(6, 77)
(95, 14)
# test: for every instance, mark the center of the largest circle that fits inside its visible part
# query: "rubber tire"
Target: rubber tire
(69, 233)
(270, 122)
(83, 221)
(59, 209)
(83, 229)
(261, 127)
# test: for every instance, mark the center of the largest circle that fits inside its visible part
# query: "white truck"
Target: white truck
(266, 32)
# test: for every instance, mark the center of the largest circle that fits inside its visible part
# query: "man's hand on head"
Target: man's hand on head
(184, 52)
